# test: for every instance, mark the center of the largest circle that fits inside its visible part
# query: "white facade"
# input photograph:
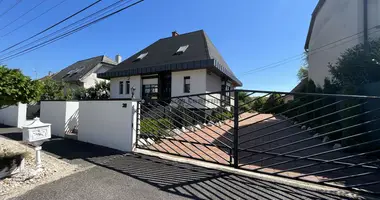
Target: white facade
(13, 115)
(336, 20)
(197, 82)
(62, 115)
(91, 79)
(135, 81)
(201, 81)
(108, 123)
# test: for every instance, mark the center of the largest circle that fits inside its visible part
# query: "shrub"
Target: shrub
(156, 127)
(221, 116)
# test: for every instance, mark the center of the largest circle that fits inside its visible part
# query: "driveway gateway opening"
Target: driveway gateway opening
(320, 138)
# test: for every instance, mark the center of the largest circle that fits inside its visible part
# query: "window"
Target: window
(121, 87)
(150, 91)
(186, 84)
(127, 87)
(140, 57)
(181, 50)
(226, 94)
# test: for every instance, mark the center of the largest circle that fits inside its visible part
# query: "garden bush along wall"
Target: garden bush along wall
(338, 103)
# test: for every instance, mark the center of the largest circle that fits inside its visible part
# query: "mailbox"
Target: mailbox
(36, 131)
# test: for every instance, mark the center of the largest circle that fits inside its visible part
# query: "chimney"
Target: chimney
(50, 73)
(118, 59)
(174, 34)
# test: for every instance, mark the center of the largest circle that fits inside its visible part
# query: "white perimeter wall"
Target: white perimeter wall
(13, 115)
(135, 81)
(62, 115)
(107, 123)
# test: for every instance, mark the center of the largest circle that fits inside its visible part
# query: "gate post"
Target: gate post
(236, 129)
(137, 128)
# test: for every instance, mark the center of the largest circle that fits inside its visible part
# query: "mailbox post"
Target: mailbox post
(36, 133)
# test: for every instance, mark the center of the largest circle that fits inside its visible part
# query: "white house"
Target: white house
(83, 73)
(175, 66)
(337, 25)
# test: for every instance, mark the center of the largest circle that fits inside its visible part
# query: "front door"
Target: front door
(150, 88)
(165, 86)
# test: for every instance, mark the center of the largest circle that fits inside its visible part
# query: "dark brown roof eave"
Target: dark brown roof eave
(191, 65)
(312, 21)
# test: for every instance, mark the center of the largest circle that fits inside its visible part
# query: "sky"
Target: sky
(249, 34)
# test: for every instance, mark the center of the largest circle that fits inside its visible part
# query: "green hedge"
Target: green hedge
(157, 127)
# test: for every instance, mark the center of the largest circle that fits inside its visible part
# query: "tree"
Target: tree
(55, 90)
(356, 67)
(101, 90)
(16, 87)
(302, 73)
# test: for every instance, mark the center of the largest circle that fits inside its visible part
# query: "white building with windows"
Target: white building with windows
(335, 26)
(170, 67)
(84, 72)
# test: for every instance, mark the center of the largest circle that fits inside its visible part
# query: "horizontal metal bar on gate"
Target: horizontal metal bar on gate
(253, 100)
(197, 128)
(317, 145)
(208, 115)
(220, 163)
(212, 102)
(204, 140)
(293, 157)
(296, 125)
(332, 169)
(313, 155)
(312, 181)
(199, 94)
(350, 176)
(180, 135)
(282, 121)
(139, 135)
(195, 146)
(190, 142)
(364, 184)
(275, 115)
(337, 159)
(325, 134)
(260, 98)
(312, 94)
(200, 129)
(272, 108)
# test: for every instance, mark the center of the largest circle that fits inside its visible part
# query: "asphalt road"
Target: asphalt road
(116, 175)
(144, 177)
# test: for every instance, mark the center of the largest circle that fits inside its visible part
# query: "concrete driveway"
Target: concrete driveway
(112, 174)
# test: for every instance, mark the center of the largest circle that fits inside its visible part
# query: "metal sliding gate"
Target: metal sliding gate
(321, 138)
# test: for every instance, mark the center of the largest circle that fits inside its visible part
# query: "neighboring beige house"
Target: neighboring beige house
(333, 22)
(182, 64)
(83, 73)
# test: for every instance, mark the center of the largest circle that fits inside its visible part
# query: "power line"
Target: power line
(14, 5)
(54, 25)
(26, 23)
(299, 56)
(23, 14)
(99, 12)
(68, 33)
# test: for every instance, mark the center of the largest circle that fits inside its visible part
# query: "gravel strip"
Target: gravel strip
(52, 169)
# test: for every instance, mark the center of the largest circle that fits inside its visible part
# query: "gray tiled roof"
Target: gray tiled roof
(201, 53)
(82, 68)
